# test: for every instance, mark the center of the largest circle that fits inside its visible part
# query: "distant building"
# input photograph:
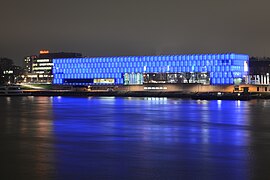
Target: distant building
(28, 63)
(40, 67)
(5, 63)
(9, 73)
(259, 70)
(48, 55)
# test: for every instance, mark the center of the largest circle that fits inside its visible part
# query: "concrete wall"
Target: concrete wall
(192, 88)
(258, 88)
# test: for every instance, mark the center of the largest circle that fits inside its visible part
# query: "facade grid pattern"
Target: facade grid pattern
(223, 68)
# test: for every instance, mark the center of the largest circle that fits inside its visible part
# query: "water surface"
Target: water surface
(133, 138)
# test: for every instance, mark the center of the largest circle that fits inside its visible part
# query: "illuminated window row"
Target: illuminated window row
(214, 81)
(155, 88)
(42, 68)
(120, 75)
(60, 81)
(58, 69)
(195, 57)
(138, 64)
(87, 75)
(45, 64)
(141, 64)
(43, 60)
(221, 81)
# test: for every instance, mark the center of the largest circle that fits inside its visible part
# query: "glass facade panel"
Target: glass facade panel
(219, 66)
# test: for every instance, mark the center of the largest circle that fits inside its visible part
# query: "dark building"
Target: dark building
(28, 63)
(48, 55)
(259, 66)
(259, 70)
(5, 68)
(9, 73)
(5, 63)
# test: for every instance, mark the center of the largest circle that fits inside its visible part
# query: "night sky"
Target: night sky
(134, 27)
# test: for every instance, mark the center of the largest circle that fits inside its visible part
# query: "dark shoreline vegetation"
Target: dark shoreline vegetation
(185, 95)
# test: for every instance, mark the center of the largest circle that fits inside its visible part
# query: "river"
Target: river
(133, 138)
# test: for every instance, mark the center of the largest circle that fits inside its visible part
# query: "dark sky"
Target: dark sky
(134, 27)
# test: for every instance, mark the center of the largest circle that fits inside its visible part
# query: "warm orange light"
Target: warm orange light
(43, 52)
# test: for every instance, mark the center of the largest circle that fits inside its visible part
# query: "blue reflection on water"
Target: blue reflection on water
(151, 138)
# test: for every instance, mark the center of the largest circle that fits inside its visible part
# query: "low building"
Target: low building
(215, 69)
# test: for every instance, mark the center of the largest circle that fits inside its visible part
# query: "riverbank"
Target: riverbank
(187, 95)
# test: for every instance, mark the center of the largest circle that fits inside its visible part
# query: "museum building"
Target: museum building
(213, 69)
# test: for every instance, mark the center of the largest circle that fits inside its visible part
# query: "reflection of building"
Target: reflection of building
(259, 70)
(39, 67)
(197, 68)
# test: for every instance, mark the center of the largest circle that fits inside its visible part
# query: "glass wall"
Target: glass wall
(179, 78)
(222, 68)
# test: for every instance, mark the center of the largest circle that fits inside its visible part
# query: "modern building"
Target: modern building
(39, 68)
(215, 69)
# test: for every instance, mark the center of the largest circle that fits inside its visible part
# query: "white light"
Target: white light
(43, 60)
(245, 66)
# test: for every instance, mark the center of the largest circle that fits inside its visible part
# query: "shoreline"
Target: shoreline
(183, 95)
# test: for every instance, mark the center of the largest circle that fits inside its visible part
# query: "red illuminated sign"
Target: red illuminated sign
(43, 52)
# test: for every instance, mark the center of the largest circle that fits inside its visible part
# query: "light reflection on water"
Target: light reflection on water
(164, 137)
(138, 138)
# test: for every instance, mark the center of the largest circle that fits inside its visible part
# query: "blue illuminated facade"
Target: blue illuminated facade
(222, 68)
